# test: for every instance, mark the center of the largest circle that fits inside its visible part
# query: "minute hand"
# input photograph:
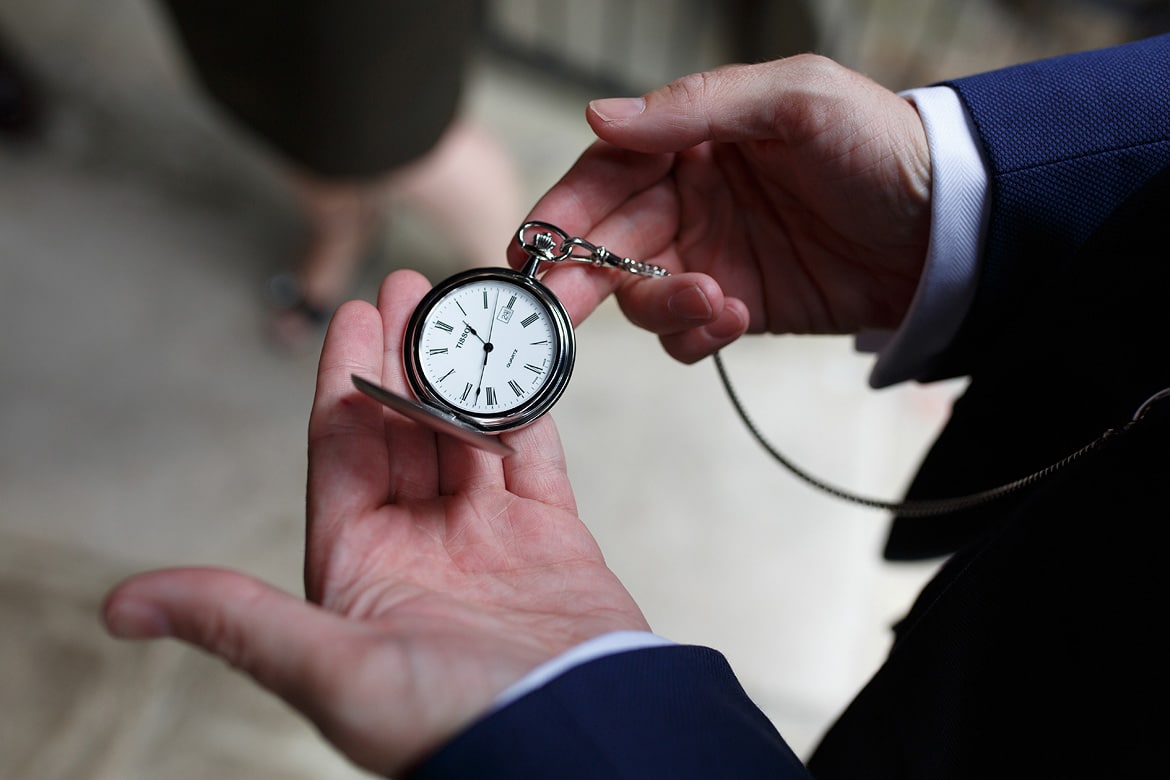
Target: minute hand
(487, 346)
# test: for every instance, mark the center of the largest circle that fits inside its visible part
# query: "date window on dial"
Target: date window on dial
(505, 314)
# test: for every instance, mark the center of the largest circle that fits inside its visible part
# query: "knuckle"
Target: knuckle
(693, 88)
(219, 630)
(219, 635)
(692, 99)
(813, 63)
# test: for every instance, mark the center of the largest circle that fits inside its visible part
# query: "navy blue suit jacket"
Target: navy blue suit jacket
(1038, 650)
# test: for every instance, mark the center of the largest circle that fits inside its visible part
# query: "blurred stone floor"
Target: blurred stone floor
(145, 421)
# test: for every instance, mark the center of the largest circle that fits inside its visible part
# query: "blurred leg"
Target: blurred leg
(20, 104)
(468, 189)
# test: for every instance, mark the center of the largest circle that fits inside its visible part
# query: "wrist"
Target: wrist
(589, 650)
(949, 276)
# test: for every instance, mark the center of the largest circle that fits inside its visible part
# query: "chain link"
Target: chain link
(554, 245)
(927, 507)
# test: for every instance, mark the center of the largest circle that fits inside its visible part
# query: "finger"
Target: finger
(732, 104)
(281, 641)
(348, 460)
(691, 346)
(643, 228)
(413, 465)
(463, 468)
(673, 304)
(538, 470)
(602, 180)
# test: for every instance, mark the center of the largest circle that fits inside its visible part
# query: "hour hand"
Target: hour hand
(471, 330)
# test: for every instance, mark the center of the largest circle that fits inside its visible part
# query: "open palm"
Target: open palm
(437, 575)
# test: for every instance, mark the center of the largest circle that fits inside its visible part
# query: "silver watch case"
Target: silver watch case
(532, 408)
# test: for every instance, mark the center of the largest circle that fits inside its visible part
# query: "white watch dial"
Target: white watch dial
(487, 346)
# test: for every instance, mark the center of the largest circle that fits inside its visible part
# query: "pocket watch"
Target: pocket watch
(492, 349)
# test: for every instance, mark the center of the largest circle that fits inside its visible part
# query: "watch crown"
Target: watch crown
(545, 242)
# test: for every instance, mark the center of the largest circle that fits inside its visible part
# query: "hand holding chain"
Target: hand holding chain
(544, 247)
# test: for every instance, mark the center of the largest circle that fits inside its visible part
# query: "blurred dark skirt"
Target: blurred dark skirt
(344, 89)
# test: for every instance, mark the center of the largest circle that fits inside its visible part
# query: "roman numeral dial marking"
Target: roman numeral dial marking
(487, 349)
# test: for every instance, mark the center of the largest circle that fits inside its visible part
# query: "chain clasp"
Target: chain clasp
(554, 245)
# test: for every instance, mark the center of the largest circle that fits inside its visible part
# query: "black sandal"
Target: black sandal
(298, 322)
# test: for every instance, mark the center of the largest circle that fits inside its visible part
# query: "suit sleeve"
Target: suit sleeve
(1067, 141)
(1070, 143)
(674, 712)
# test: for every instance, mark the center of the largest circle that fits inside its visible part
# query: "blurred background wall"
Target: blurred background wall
(145, 420)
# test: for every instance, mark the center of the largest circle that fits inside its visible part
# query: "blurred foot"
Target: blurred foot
(296, 325)
(343, 219)
(465, 187)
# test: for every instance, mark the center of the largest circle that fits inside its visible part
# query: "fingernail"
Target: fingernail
(690, 303)
(730, 325)
(611, 109)
(137, 620)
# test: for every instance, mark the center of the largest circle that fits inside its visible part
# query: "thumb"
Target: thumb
(731, 104)
(265, 632)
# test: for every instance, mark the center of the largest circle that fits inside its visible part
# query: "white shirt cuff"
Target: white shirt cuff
(959, 207)
(590, 650)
